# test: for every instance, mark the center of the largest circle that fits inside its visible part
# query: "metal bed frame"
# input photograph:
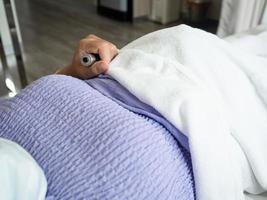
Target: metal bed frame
(13, 31)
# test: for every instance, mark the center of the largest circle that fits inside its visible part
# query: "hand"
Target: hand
(91, 44)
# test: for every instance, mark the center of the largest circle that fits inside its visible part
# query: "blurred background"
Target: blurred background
(39, 36)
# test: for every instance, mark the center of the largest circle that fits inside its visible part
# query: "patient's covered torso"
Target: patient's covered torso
(90, 147)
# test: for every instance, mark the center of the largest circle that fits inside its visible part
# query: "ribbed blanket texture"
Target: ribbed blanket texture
(92, 148)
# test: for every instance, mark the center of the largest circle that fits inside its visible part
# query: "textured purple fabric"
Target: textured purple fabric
(90, 147)
(112, 89)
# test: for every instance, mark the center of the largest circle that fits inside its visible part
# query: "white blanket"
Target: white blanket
(215, 94)
(21, 178)
(253, 41)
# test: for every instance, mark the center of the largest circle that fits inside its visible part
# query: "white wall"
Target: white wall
(141, 8)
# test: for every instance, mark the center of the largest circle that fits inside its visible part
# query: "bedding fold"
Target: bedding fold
(109, 87)
(214, 94)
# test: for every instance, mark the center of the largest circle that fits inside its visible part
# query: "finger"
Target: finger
(97, 68)
(105, 53)
(108, 52)
(88, 46)
(92, 36)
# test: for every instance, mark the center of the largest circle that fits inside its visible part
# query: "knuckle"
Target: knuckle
(113, 48)
(108, 46)
(91, 36)
(82, 42)
(104, 45)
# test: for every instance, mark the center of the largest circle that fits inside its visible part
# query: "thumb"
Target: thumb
(97, 68)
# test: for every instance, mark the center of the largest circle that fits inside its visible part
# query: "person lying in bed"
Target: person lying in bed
(88, 144)
(105, 137)
(185, 49)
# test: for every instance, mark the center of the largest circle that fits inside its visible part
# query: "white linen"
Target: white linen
(256, 197)
(213, 93)
(21, 178)
(253, 41)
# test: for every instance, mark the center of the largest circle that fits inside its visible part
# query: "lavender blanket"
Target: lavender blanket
(90, 147)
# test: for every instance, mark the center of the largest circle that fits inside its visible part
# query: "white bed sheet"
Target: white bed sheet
(256, 197)
(254, 41)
